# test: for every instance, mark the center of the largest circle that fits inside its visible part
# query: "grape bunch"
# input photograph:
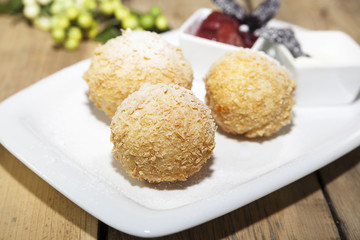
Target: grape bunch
(70, 21)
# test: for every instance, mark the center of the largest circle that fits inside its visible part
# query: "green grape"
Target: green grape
(62, 22)
(107, 7)
(31, 11)
(161, 23)
(89, 5)
(130, 21)
(58, 34)
(72, 12)
(85, 20)
(81, 14)
(67, 3)
(93, 31)
(71, 44)
(147, 21)
(56, 8)
(53, 21)
(121, 13)
(74, 33)
(116, 4)
(43, 23)
(155, 11)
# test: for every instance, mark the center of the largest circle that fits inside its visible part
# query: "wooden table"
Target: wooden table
(322, 205)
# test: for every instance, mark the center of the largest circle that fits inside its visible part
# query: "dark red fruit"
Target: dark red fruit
(211, 23)
(206, 34)
(228, 34)
(248, 38)
(223, 28)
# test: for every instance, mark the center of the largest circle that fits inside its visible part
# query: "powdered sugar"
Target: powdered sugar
(146, 44)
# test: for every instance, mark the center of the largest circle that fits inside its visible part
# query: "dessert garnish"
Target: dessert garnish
(223, 28)
(255, 23)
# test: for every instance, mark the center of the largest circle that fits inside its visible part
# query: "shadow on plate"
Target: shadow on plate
(100, 115)
(357, 98)
(241, 138)
(205, 172)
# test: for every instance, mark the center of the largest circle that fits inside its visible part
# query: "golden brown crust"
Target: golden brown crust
(162, 133)
(249, 93)
(120, 66)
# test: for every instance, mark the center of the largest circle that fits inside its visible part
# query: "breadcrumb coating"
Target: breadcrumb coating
(121, 65)
(249, 93)
(162, 133)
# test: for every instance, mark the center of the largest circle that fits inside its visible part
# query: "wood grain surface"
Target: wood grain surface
(322, 205)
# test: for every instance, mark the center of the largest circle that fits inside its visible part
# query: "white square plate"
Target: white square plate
(53, 128)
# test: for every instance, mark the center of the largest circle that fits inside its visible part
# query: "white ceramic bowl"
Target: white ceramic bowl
(331, 76)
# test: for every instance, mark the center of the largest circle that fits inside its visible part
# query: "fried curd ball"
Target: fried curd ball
(249, 93)
(122, 64)
(162, 133)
